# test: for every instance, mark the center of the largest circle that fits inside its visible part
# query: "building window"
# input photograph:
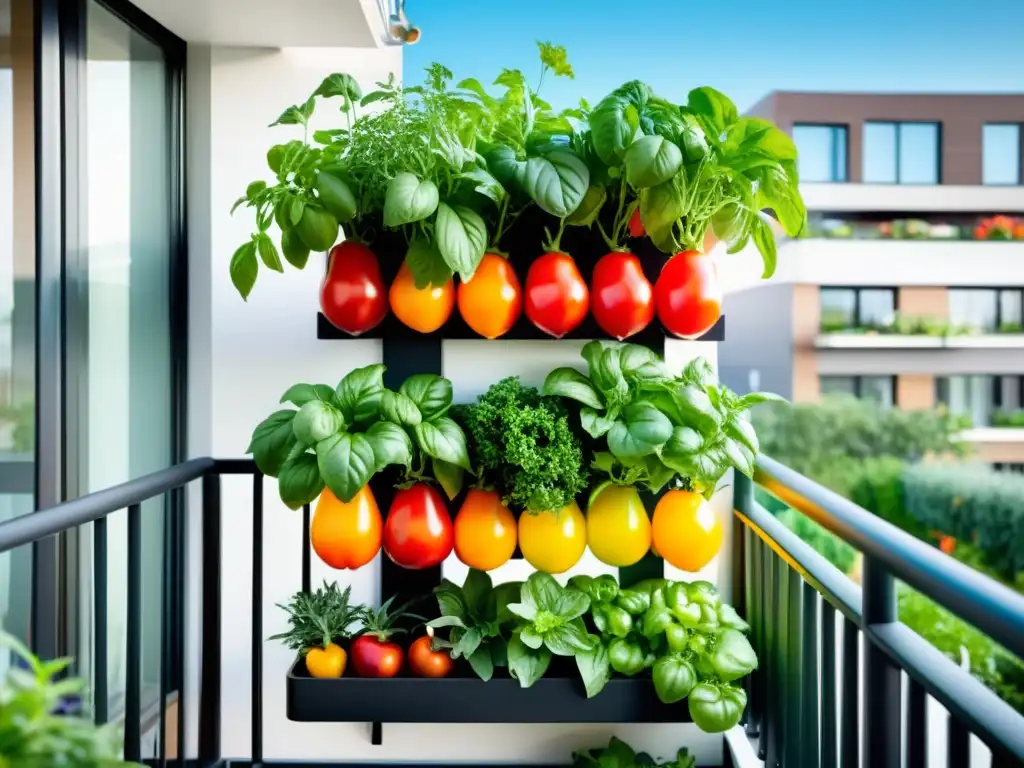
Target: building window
(880, 389)
(980, 396)
(987, 309)
(1001, 153)
(901, 153)
(1011, 467)
(857, 308)
(822, 152)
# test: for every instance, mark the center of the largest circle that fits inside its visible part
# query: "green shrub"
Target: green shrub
(974, 504)
(1008, 418)
(992, 664)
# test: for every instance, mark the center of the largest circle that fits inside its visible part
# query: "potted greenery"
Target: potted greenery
(34, 731)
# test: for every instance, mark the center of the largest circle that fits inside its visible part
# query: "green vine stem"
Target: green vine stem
(554, 244)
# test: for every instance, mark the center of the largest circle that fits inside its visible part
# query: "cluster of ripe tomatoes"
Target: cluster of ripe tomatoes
(419, 532)
(686, 296)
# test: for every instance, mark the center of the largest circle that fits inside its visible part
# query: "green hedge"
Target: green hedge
(974, 504)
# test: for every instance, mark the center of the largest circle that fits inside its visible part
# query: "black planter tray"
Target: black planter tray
(392, 328)
(467, 699)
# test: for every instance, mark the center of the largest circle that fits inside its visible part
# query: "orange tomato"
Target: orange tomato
(685, 530)
(346, 535)
(491, 301)
(485, 531)
(424, 661)
(422, 309)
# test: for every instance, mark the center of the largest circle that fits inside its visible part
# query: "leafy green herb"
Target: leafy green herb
(549, 623)
(658, 427)
(341, 437)
(618, 754)
(316, 619)
(475, 614)
(36, 730)
(524, 447)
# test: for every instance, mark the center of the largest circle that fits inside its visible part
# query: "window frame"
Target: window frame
(857, 289)
(858, 383)
(1020, 154)
(898, 136)
(997, 291)
(837, 163)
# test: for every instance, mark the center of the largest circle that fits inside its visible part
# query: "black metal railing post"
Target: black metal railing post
(133, 675)
(209, 685)
(882, 686)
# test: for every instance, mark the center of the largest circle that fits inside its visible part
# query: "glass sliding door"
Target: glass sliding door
(17, 305)
(124, 223)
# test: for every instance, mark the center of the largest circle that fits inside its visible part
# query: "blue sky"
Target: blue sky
(745, 48)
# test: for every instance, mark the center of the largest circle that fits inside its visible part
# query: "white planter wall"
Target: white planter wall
(244, 356)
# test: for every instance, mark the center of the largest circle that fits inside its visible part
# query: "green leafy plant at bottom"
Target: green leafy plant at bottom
(618, 754)
(32, 732)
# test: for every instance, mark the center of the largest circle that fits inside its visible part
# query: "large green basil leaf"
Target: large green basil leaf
(678, 452)
(316, 421)
(486, 184)
(595, 670)
(346, 463)
(557, 182)
(426, 264)
(570, 383)
(273, 441)
(589, 209)
(431, 393)
(716, 708)
(482, 662)
(652, 160)
(615, 121)
(391, 444)
(569, 639)
(714, 111)
(243, 269)
(741, 457)
(540, 590)
(696, 408)
(461, 238)
(359, 393)
(571, 603)
(525, 664)
(658, 473)
(300, 394)
(399, 408)
(764, 239)
(733, 656)
(640, 365)
(641, 431)
(662, 118)
(777, 191)
(299, 482)
(408, 199)
(336, 196)
(595, 424)
(503, 164)
(606, 374)
(443, 439)
(674, 678)
(661, 207)
(449, 475)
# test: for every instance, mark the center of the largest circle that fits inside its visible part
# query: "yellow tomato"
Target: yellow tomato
(328, 661)
(618, 529)
(553, 541)
(485, 531)
(686, 531)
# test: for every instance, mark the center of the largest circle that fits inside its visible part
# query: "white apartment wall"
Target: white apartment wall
(244, 355)
(823, 261)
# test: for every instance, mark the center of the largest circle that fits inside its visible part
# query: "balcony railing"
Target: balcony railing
(805, 615)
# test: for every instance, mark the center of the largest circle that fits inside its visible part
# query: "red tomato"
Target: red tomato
(352, 294)
(623, 299)
(557, 298)
(636, 225)
(373, 657)
(424, 661)
(418, 531)
(687, 295)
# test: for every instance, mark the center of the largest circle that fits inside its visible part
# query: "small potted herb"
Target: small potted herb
(320, 624)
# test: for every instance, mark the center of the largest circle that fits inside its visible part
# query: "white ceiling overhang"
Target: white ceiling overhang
(272, 23)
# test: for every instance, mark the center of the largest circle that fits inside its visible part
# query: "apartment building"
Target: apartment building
(909, 288)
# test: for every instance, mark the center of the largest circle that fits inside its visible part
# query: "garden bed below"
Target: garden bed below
(465, 698)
